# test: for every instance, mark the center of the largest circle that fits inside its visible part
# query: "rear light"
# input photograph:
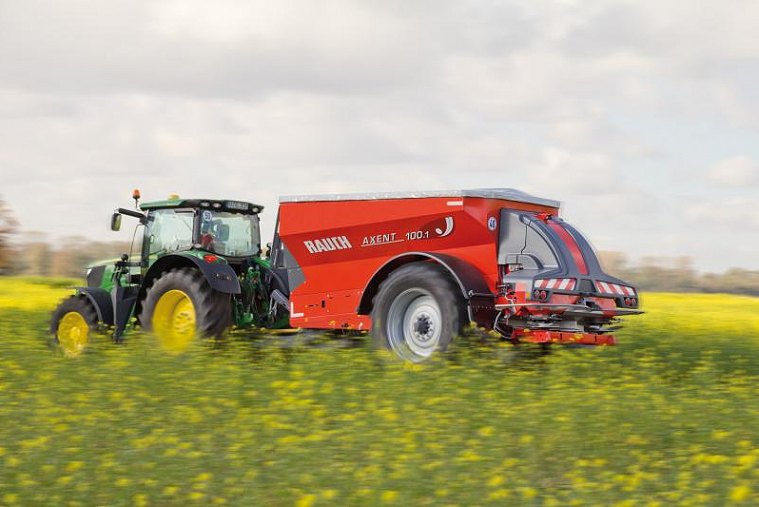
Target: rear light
(210, 259)
(629, 302)
(540, 295)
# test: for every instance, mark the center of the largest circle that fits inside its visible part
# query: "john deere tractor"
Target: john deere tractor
(200, 270)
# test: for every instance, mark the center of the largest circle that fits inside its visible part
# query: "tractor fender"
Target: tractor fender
(469, 280)
(220, 276)
(101, 300)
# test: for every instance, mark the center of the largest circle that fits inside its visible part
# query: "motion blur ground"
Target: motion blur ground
(669, 416)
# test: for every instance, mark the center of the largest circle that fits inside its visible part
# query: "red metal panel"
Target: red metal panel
(572, 245)
(340, 244)
(526, 335)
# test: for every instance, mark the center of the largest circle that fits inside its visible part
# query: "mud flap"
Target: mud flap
(101, 300)
(124, 299)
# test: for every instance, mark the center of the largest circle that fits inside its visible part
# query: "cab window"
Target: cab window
(169, 230)
(230, 234)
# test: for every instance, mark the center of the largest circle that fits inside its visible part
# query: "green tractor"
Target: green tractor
(200, 271)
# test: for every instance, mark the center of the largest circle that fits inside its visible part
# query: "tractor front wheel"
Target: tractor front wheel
(72, 325)
(181, 306)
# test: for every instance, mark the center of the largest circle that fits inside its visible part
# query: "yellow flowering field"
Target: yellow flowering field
(670, 416)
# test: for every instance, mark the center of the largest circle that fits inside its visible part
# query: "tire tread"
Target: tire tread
(212, 308)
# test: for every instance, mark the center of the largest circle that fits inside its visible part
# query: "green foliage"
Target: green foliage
(668, 417)
(8, 226)
(54, 283)
(677, 275)
(69, 256)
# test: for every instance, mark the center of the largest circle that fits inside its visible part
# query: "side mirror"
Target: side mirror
(116, 222)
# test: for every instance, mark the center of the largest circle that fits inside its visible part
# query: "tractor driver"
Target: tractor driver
(207, 236)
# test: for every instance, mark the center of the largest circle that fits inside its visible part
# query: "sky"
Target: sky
(641, 117)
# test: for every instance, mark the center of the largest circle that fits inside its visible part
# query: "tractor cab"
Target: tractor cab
(217, 231)
(227, 229)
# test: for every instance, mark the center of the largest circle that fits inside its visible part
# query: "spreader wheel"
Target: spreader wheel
(417, 311)
(181, 306)
(73, 324)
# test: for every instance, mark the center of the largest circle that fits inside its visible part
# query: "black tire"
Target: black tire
(73, 324)
(417, 311)
(212, 309)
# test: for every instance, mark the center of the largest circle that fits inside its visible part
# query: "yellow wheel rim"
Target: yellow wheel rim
(174, 321)
(73, 334)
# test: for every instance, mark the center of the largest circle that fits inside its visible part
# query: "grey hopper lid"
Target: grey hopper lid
(507, 194)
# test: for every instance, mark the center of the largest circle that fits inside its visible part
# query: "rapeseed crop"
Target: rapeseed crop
(668, 417)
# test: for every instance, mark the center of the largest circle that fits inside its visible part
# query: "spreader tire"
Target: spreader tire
(181, 306)
(417, 311)
(73, 324)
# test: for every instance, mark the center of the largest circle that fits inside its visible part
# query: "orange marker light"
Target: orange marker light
(136, 194)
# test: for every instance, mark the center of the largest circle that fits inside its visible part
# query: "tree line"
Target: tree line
(8, 227)
(664, 274)
(33, 254)
(68, 257)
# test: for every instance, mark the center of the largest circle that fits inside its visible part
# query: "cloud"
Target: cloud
(226, 49)
(597, 104)
(734, 172)
(560, 171)
(735, 213)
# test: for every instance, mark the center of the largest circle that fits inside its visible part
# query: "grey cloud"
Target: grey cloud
(613, 28)
(734, 213)
(91, 47)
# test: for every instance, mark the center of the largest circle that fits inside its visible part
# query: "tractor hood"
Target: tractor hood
(100, 273)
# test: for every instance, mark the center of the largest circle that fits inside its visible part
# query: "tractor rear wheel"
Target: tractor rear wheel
(417, 311)
(181, 306)
(73, 324)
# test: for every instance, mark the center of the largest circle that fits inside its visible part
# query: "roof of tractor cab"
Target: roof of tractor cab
(507, 194)
(212, 204)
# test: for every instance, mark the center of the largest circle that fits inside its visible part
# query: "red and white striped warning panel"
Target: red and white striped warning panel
(556, 283)
(613, 288)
